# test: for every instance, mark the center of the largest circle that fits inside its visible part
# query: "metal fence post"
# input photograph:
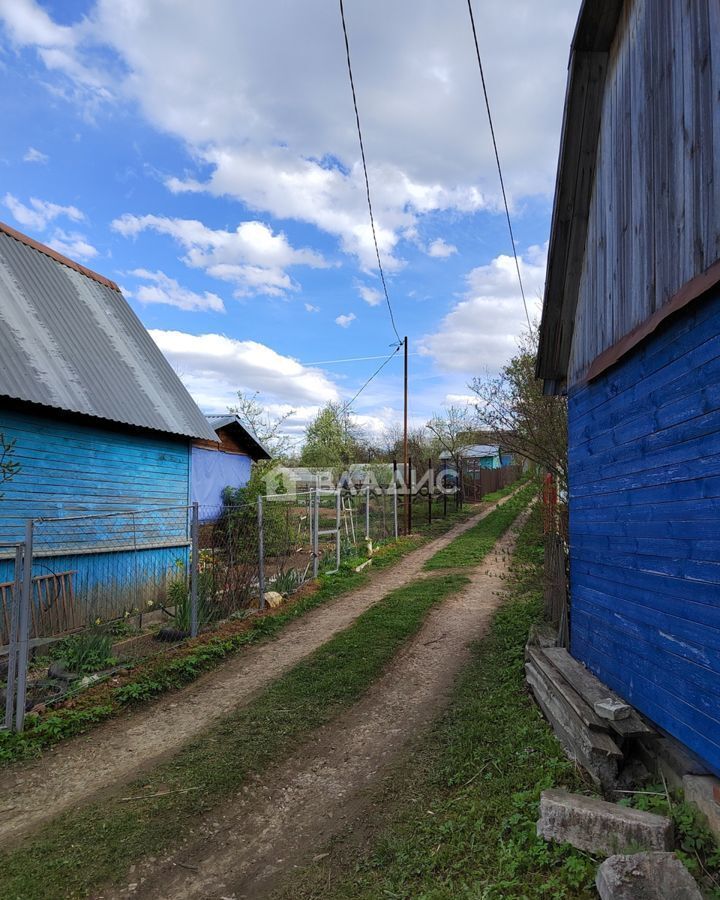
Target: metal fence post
(367, 513)
(409, 495)
(261, 553)
(430, 491)
(12, 658)
(338, 523)
(24, 627)
(395, 501)
(316, 536)
(194, 564)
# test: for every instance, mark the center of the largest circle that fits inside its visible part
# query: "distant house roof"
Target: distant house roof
(242, 435)
(476, 451)
(69, 341)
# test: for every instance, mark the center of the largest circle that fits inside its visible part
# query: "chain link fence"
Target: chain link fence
(87, 594)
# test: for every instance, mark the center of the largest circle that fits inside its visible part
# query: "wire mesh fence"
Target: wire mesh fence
(89, 593)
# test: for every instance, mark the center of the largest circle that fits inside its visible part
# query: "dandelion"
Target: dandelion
(98, 621)
(150, 603)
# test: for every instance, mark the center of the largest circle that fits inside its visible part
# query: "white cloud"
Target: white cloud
(281, 138)
(480, 332)
(438, 248)
(370, 295)
(73, 245)
(252, 257)
(311, 309)
(40, 212)
(344, 321)
(166, 290)
(33, 155)
(215, 367)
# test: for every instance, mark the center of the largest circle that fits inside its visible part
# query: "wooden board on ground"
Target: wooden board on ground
(595, 751)
(566, 691)
(591, 689)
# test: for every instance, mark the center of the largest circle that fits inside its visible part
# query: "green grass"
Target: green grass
(470, 548)
(460, 813)
(93, 845)
(170, 671)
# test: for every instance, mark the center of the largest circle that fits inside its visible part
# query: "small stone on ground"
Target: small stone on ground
(646, 876)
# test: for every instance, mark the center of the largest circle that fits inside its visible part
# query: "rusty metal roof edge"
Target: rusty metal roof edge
(58, 257)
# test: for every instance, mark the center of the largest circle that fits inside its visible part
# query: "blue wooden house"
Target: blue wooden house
(101, 430)
(631, 332)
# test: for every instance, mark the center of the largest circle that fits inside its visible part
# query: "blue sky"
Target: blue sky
(204, 156)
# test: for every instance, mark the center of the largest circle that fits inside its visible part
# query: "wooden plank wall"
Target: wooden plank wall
(654, 220)
(69, 469)
(644, 459)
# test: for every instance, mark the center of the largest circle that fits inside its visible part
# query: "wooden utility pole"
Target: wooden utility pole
(406, 473)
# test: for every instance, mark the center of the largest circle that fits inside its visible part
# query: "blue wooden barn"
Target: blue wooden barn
(100, 429)
(631, 331)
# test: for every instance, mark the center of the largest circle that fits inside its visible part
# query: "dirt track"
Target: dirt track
(244, 849)
(119, 750)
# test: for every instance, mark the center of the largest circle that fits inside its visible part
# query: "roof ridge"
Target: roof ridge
(58, 257)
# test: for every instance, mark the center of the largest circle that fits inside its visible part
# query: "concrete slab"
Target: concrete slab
(600, 827)
(646, 876)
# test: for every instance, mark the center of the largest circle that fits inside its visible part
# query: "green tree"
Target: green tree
(332, 439)
(513, 410)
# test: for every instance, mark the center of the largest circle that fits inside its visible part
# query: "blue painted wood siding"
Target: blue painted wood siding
(69, 469)
(123, 501)
(644, 459)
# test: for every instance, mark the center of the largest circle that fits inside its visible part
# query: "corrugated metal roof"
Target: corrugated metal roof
(220, 420)
(69, 340)
(476, 451)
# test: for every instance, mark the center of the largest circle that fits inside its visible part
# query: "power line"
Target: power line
(367, 180)
(374, 374)
(497, 159)
(327, 362)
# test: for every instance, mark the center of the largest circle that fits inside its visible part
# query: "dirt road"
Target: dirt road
(244, 849)
(121, 749)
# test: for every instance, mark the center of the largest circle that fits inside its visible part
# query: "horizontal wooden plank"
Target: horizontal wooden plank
(660, 706)
(592, 690)
(682, 663)
(565, 689)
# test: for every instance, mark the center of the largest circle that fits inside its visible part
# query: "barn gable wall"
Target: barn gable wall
(644, 460)
(654, 219)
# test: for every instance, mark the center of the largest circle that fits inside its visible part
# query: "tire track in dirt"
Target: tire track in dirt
(280, 820)
(120, 749)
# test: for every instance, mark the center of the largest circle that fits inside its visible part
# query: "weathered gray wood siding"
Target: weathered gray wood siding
(654, 220)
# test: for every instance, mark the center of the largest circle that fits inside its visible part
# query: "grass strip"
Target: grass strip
(469, 549)
(95, 844)
(176, 668)
(463, 808)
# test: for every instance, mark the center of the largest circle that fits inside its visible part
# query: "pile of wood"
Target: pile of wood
(567, 693)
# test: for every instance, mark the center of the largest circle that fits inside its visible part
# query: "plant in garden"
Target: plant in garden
(288, 581)
(179, 604)
(86, 652)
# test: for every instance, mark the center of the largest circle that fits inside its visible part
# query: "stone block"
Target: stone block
(600, 827)
(646, 876)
